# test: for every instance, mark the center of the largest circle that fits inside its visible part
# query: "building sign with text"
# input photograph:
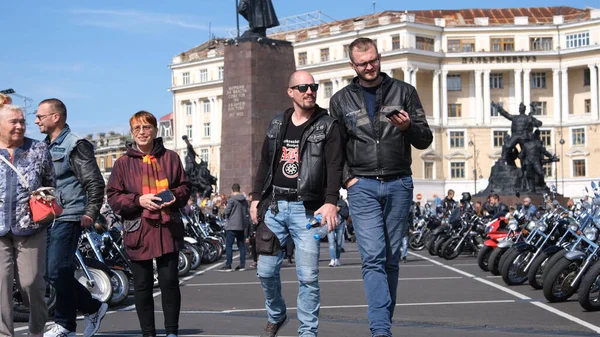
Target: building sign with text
(498, 59)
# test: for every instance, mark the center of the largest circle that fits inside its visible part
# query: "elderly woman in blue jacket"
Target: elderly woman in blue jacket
(22, 241)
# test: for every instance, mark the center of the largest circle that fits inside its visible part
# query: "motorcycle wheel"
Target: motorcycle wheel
(21, 312)
(102, 289)
(536, 271)
(551, 262)
(449, 249)
(557, 285)
(120, 287)
(494, 260)
(430, 244)
(484, 256)
(415, 243)
(183, 264)
(211, 251)
(437, 246)
(589, 290)
(513, 268)
(195, 257)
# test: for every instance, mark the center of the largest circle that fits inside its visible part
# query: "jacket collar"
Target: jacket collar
(61, 136)
(287, 115)
(355, 84)
(157, 149)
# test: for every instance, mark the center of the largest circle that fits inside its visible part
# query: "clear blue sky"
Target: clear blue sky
(108, 59)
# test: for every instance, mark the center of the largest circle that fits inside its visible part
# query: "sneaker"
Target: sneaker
(92, 321)
(58, 331)
(403, 260)
(226, 269)
(343, 250)
(238, 268)
(271, 329)
(332, 263)
(337, 262)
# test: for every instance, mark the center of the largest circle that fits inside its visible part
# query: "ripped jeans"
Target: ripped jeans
(290, 223)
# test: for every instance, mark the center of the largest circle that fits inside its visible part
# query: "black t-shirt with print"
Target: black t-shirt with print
(286, 174)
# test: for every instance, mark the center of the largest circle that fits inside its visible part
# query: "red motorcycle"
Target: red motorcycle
(495, 232)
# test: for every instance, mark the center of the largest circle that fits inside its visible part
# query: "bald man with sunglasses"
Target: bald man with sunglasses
(299, 176)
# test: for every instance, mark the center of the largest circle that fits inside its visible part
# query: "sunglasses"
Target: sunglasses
(304, 87)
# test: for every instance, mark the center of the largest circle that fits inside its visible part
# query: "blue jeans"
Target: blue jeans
(379, 213)
(336, 239)
(71, 295)
(241, 242)
(290, 223)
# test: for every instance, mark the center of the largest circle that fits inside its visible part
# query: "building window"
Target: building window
(324, 54)
(538, 80)
(578, 40)
(540, 108)
(579, 168)
(204, 155)
(346, 51)
(395, 41)
(206, 129)
(188, 131)
(586, 77)
(425, 43)
(461, 46)
(457, 170)
(188, 108)
(114, 159)
(206, 106)
(454, 83)
(588, 105)
(102, 166)
(578, 136)
(454, 110)
(302, 58)
(546, 137)
(221, 72)
(548, 170)
(186, 78)
(328, 88)
(203, 75)
(499, 138)
(496, 81)
(502, 44)
(428, 170)
(494, 110)
(540, 43)
(457, 139)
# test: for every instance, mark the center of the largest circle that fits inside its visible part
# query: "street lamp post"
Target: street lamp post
(472, 143)
(562, 164)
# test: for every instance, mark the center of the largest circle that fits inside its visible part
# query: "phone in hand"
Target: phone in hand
(165, 197)
(393, 112)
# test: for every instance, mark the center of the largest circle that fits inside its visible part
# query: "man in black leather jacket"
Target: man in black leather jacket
(495, 208)
(380, 118)
(80, 192)
(299, 176)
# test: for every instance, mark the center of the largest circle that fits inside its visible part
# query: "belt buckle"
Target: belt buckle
(380, 178)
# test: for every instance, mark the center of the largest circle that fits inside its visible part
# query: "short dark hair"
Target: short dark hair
(235, 187)
(56, 105)
(362, 44)
(495, 196)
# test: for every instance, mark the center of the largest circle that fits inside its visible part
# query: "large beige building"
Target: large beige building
(460, 61)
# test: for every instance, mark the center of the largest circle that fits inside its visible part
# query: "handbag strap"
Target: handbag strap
(23, 180)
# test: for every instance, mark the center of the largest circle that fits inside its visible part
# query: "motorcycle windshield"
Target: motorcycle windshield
(454, 217)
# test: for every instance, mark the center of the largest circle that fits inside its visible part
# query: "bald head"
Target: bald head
(300, 77)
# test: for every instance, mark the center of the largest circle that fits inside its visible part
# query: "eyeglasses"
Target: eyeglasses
(304, 87)
(41, 117)
(136, 129)
(364, 65)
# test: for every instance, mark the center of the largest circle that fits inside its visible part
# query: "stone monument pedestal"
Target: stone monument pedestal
(256, 74)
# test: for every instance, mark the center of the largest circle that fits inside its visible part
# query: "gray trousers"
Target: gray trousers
(29, 253)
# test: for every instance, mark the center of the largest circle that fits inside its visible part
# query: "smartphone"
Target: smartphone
(165, 196)
(391, 113)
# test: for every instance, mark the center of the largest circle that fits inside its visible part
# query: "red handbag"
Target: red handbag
(43, 205)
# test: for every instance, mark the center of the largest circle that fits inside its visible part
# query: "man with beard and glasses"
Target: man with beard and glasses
(380, 119)
(299, 176)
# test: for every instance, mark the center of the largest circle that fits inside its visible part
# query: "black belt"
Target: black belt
(285, 193)
(383, 178)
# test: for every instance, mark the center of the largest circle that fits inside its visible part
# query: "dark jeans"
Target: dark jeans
(143, 281)
(71, 295)
(253, 248)
(239, 236)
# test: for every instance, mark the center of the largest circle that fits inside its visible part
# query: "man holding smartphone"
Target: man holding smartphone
(380, 119)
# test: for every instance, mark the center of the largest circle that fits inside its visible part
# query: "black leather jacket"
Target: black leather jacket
(321, 158)
(86, 170)
(379, 149)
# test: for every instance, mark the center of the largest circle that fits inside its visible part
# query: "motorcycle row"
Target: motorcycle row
(103, 267)
(555, 251)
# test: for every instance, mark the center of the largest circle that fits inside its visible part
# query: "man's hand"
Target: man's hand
(351, 182)
(254, 211)
(86, 221)
(329, 214)
(400, 120)
(147, 201)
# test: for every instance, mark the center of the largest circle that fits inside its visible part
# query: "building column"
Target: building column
(487, 108)
(214, 121)
(444, 97)
(526, 87)
(478, 98)
(196, 124)
(406, 75)
(182, 122)
(518, 98)
(565, 94)
(556, 93)
(338, 83)
(436, 97)
(594, 91)
(413, 79)
(389, 72)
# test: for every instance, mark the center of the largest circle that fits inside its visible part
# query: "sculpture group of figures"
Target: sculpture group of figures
(198, 174)
(532, 154)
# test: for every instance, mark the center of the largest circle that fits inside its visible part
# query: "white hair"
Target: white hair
(4, 108)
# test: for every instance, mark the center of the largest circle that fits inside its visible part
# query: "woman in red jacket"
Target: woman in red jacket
(152, 227)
